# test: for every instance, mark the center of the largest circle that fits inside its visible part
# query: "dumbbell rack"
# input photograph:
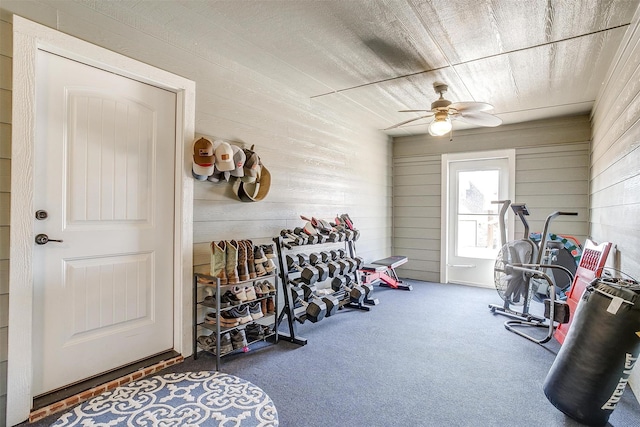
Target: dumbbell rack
(287, 279)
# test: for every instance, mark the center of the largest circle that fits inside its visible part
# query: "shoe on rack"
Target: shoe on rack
(271, 307)
(258, 255)
(210, 318)
(269, 250)
(251, 264)
(225, 343)
(260, 270)
(243, 269)
(228, 299)
(238, 339)
(254, 332)
(263, 305)
(207, 342)
(239, 292)
(255, 310)
(258, 290)
(241, 313)
(270, 287)
(228, 320)
(250, 292)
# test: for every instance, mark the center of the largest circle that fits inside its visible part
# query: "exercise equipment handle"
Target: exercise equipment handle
(503, 219)
(543, 237)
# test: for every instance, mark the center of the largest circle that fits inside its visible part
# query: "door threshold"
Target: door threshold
(64, 398)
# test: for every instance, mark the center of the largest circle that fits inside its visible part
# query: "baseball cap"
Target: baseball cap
(224, 156)
(203, 157)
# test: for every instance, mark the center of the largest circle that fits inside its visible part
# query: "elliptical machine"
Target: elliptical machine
(519, 271)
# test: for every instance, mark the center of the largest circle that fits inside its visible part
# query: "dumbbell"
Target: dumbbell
(351, 265)
(323, 271)
(296, 293)
(344, 266)
(341, 253)
(309, 275)
(292, 263)
(303, 259)
(315, 309)
(315, 258)
(334, 255)
(356, 293)
(334, 268)
(359, 261)
(298, 231)
(332, 300)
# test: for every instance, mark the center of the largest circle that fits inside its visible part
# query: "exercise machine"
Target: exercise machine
(521, 269)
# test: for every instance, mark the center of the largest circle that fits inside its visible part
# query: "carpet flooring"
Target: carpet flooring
(434, 356)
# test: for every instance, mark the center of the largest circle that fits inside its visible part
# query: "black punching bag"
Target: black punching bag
(592, 368)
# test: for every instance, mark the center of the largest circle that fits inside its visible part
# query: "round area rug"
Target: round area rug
(187, 399)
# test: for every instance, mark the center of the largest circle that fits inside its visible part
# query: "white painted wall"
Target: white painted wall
(615, 160)
(323, 162)
(551, 174)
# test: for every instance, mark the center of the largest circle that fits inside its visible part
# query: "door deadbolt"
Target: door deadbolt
(43, 239)
(40, 214)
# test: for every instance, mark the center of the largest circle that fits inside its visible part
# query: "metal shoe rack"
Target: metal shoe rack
(345, 267)
(200, 307)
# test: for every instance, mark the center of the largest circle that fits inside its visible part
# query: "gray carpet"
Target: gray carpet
(434, 356)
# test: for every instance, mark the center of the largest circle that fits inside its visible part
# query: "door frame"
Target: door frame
(28, 38)
(510, 154)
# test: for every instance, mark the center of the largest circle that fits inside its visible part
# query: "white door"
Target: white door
(472, 220)
(104, 174)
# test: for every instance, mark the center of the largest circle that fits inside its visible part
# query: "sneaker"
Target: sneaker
(239, 293)
(207, 342)
(238, 339)
(228, 320)
(254, 332)
(258, 255)
(241, 313)
(228, 299)
(269, 251)
(210, 318)
(225, 343)
(250, 292)
(255, 310)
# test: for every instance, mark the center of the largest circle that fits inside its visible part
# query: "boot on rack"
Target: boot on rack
(243, 271)
(251, 266)
(218, 261)
(232, 262)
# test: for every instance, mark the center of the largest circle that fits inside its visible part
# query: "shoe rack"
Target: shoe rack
(212, 308)
(347, 271)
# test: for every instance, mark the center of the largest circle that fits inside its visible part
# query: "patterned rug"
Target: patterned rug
(186, 399)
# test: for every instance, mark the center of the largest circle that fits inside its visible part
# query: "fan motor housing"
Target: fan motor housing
(440, 103)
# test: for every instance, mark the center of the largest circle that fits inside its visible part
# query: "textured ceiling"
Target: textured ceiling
(530, 59)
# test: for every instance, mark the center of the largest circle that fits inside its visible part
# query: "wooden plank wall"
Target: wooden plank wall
(322, 162)
(615, 160)
(552, 158)
(5, 196)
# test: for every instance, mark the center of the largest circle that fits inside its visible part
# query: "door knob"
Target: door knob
(43, 239)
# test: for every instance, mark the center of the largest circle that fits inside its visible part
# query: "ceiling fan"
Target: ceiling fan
(445, 111)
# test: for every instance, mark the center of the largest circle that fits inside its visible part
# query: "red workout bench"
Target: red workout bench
(383, 272)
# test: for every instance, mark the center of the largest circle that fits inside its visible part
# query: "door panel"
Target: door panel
(474, 233)
(103, 297)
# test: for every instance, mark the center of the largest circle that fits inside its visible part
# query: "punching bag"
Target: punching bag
(592, 368)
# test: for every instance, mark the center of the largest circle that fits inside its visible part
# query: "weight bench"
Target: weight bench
(383, 272)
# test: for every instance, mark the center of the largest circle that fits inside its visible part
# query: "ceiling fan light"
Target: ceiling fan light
(440, 126)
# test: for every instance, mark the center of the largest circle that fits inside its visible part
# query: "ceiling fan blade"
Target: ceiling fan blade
(471, 106)
(414, 111)
(479, 118)
(407, 121)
